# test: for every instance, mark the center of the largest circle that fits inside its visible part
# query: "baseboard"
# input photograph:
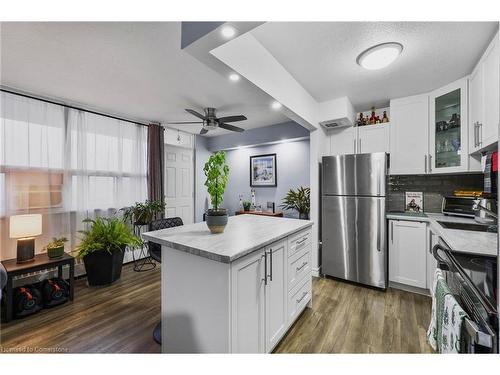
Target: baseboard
(315, 271)
(409, 288)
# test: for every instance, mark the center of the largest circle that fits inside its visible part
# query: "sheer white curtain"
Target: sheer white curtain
(67, 165)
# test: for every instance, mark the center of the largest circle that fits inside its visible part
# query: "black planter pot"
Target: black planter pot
(103, 268)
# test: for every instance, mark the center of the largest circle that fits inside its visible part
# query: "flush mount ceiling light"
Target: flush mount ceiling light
(228, 32)
(379, 56)
(276, 105)
(234, 77)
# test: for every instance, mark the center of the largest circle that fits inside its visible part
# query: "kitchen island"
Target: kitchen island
(234, 292)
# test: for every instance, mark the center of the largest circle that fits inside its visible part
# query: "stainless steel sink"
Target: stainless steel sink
(469, 226)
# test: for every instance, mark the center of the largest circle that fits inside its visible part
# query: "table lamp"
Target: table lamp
(25, 228)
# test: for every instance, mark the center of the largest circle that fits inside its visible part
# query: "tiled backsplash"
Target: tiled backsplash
(434, 187)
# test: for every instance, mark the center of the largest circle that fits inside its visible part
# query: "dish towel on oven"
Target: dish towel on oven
(444, 331)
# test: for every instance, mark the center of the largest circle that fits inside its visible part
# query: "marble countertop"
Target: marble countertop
(243, 234)
(464, 241)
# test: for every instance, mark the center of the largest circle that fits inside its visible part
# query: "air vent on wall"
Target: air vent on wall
(337, 123)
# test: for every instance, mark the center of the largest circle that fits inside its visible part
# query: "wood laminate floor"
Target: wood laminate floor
(345, 318)
(115, 319)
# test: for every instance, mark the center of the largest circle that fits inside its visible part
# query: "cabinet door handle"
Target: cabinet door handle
(392, 231)
(302, 266)
(360, 145)
(475, 133)
(354, 145)
(271, 264)
(480, 136)
(425, 163)
(301, 298)
(430, 163)
(265, 268)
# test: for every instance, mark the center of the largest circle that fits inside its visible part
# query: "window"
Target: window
(66, 164)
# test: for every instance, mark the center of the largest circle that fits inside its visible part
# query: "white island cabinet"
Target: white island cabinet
(235, 292)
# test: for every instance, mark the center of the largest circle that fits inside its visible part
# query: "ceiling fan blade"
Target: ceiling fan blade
(203, 131)
(187, 122)
(194, 113)
(232, 118)
(231, 127)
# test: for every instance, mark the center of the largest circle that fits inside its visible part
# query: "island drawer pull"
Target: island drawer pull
(304, 294)
(301, 241)
(302, 266)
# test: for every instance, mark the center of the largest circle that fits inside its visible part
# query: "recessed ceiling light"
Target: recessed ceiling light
(379, 56)
(228, 32)
(275, 105)
(234, 77)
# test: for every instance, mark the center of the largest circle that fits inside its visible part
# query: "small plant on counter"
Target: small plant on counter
(55, 248)
(298, 200)
(142, 213)
(246, 205)
(217, 172)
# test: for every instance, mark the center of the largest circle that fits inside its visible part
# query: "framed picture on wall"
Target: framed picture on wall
(263, 172)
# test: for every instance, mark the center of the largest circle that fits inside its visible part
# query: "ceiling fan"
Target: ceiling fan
(210, 121)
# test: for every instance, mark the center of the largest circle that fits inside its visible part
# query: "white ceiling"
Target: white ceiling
(322, 56)
(132, 69)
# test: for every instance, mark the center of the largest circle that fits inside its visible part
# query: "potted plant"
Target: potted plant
(246, 205)
(102, 249)
(217, 173)
(298, 200)
(55, 248)
(142, 213)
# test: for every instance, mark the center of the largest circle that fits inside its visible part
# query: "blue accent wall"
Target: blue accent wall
(192, 31)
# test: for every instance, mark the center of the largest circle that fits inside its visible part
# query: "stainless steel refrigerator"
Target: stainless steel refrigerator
(354, 244)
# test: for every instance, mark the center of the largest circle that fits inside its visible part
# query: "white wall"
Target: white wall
(292, 159)
(202, 199)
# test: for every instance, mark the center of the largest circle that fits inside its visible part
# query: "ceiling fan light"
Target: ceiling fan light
(379, 56)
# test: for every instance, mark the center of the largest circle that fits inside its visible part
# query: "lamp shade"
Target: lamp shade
(22, 226)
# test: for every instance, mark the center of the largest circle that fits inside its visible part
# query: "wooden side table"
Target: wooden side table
(41, 263)
(261, 213)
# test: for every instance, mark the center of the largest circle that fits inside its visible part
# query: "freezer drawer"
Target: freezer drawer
(354, 239)
(360, 174)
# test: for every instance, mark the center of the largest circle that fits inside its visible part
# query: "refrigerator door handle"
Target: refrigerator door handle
(381, 228)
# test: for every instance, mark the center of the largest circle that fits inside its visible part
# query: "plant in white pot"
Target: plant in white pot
(217, 173)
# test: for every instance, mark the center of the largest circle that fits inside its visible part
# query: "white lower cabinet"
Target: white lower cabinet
(407, 253)
(261, 293)
(431, 261)
(248, 304)
(276, 294)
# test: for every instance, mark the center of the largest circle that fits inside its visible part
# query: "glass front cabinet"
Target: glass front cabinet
(448, 128)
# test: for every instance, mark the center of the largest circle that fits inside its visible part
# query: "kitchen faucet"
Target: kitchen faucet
(478, 207)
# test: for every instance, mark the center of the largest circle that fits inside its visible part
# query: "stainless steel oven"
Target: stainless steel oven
(473, 281)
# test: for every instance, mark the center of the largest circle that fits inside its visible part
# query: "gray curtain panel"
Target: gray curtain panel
(156, 148)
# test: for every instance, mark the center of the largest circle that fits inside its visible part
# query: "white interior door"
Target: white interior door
(179, 179)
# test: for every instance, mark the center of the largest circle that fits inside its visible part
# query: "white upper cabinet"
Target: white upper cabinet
(373, 138)
(409, 135)
(484, 94)
(343, 141)
(448, 136)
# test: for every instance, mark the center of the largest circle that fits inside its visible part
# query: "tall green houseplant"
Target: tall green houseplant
(217, 172)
